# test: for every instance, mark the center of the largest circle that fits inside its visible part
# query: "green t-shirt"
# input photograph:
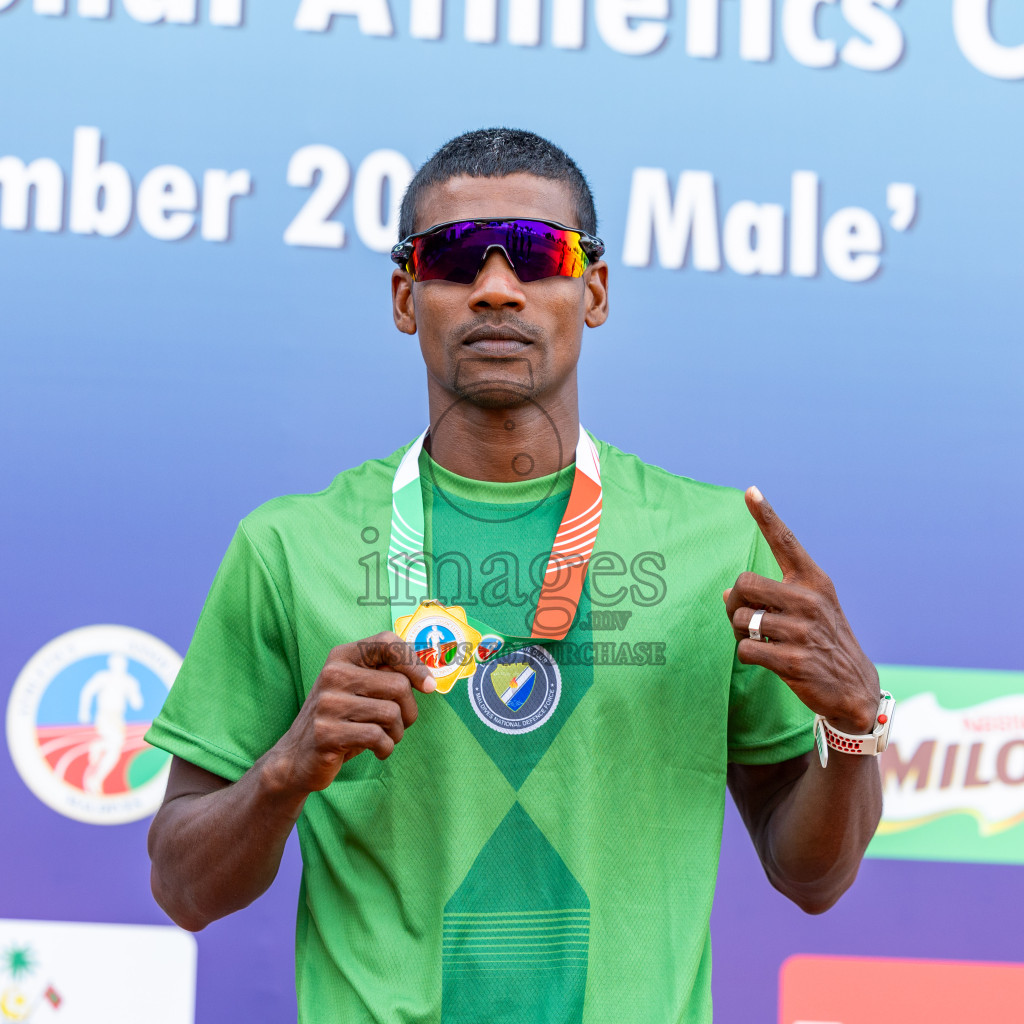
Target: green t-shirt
(548, 858)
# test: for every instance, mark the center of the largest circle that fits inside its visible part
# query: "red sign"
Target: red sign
(865, 990)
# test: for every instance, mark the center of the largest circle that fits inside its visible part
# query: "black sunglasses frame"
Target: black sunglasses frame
(592, 246)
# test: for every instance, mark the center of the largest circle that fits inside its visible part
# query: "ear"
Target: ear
(402, 306)
(596, 283)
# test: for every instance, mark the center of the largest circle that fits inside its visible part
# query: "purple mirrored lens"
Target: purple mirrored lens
(535, 249)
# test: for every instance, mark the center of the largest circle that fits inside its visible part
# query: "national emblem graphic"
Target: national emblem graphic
(23, 986)
(77, 716)
(518, 691)
(81, 971)
(513, 683)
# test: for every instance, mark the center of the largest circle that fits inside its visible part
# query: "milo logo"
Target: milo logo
(953, 773)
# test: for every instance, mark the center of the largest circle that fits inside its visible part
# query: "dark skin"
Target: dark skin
(500, 352)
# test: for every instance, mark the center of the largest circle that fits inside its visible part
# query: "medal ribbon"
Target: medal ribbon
(567, 564)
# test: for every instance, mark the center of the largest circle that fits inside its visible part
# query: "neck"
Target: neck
(503, 444)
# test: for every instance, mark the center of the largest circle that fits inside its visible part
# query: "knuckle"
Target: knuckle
(332, 704)
(323, 732)
(370, 734)
(800, 631)
(392, 685)
(741, 617)
(338, 653)
(371, 651)
(335, 673)
(794, 662)
(384, 745)
(403, 654)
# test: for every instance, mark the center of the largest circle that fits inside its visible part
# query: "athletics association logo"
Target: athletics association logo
(518, 691)
(443, 640)
(76, 720)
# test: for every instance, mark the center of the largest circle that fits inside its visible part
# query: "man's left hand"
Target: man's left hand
(809, 642)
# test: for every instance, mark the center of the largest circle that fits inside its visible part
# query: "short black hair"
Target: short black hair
(496, 153)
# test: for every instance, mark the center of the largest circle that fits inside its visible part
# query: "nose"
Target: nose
(496, 285)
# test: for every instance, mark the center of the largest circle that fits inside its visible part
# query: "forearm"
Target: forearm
(817, 833)
(214, 853)
(216, 845)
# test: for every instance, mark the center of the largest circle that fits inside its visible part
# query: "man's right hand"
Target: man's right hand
(216, 845)
(362, 700)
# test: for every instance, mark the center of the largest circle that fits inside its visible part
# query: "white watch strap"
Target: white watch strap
(874, 742)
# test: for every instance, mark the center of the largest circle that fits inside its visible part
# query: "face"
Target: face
(499, 343)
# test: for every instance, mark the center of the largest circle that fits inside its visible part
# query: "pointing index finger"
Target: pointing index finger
(788, 551)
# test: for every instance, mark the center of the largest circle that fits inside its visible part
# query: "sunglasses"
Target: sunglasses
(455, 251)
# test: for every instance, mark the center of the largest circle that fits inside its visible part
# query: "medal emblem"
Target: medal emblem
(443, 640)
(488, 647)
(563, 578)
(518, 691)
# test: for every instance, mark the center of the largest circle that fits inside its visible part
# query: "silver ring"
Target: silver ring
(754, 626)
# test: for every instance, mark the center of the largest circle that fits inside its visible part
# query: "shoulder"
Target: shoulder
(344, 505)
(681, 517)
(627, 476)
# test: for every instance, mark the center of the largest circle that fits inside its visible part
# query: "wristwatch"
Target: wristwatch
(874, 742)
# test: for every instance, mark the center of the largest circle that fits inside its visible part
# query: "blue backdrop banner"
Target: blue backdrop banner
(815, 228)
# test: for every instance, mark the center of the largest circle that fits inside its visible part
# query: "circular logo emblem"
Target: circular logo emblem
(488, 647)
(76, 718)
(437, 646)
(517, 691)
(481, 381)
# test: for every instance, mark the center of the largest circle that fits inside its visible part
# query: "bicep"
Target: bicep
(187, 779)
(757, 789)
(185, 783)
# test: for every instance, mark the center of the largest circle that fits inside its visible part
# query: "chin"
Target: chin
(495, 383)
(497, 392)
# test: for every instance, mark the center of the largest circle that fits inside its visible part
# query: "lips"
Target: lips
(497, 346)
(499, 341)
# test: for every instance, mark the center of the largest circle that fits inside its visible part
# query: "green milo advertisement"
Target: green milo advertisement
(953, 772)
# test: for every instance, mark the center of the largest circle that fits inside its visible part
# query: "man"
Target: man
(537, 840)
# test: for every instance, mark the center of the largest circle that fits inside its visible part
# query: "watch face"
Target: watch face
(888, 709)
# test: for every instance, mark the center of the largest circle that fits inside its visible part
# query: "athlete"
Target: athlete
(470, 855)
(434, 638)
(113, 689)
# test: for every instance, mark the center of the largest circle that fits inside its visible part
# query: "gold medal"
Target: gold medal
(443, 639)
